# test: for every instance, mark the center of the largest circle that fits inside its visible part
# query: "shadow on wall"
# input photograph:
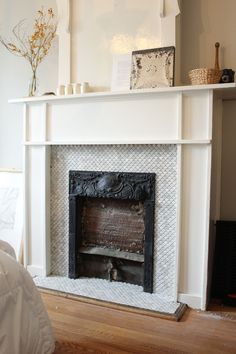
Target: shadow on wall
(191, 31)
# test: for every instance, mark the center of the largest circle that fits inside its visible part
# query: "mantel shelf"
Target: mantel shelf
(224, 91)
(120, 142)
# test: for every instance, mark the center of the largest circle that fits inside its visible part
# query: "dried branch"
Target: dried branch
(33, 47)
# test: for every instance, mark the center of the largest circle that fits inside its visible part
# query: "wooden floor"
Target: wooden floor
(88, 328)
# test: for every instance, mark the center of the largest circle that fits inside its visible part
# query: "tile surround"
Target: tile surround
(159, 159)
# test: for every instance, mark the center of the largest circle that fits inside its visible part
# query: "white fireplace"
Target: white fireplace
(182, 120)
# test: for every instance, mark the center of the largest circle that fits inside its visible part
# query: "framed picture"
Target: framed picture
(152, 68)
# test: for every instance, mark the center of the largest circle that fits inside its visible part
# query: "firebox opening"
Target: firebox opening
(111, 226)
(111, 245)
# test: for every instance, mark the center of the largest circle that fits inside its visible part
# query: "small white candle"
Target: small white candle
(69, 89)
(84, 87)
(76, 88)
(61, 90)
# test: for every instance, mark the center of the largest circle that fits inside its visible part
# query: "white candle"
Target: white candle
(76, 88)
(69, 89)
(61, 90)
(84, 87)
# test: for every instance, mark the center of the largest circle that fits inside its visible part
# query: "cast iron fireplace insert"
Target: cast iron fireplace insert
(111, 226)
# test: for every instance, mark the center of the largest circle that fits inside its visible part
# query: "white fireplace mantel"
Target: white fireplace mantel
(189, 117)
(167, 115)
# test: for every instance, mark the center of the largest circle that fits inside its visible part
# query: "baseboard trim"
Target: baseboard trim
(34, 270)
(193, 301)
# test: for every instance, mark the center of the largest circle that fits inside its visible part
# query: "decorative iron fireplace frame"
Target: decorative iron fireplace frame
(115, 185)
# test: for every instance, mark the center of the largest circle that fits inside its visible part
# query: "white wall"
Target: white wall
(102, 28)
(15, 74)
(205, 22)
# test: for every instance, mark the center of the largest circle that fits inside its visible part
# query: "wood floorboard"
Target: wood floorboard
(87, 328)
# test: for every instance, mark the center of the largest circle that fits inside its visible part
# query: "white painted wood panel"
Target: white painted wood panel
(63, 32)
(129, 119)
(35, 122)
(195, 184)
(195, 115)
(36, 197)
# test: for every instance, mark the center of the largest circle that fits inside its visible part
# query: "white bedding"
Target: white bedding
(24, 325)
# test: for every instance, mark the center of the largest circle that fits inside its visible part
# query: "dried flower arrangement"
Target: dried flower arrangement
(33, 47)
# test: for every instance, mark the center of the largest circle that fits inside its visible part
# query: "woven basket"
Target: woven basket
(205, 76)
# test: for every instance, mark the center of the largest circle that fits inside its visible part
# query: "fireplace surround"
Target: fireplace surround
(183, 118)
(159, 160)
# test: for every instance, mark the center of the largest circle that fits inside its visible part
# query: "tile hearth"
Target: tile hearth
(115, 292)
